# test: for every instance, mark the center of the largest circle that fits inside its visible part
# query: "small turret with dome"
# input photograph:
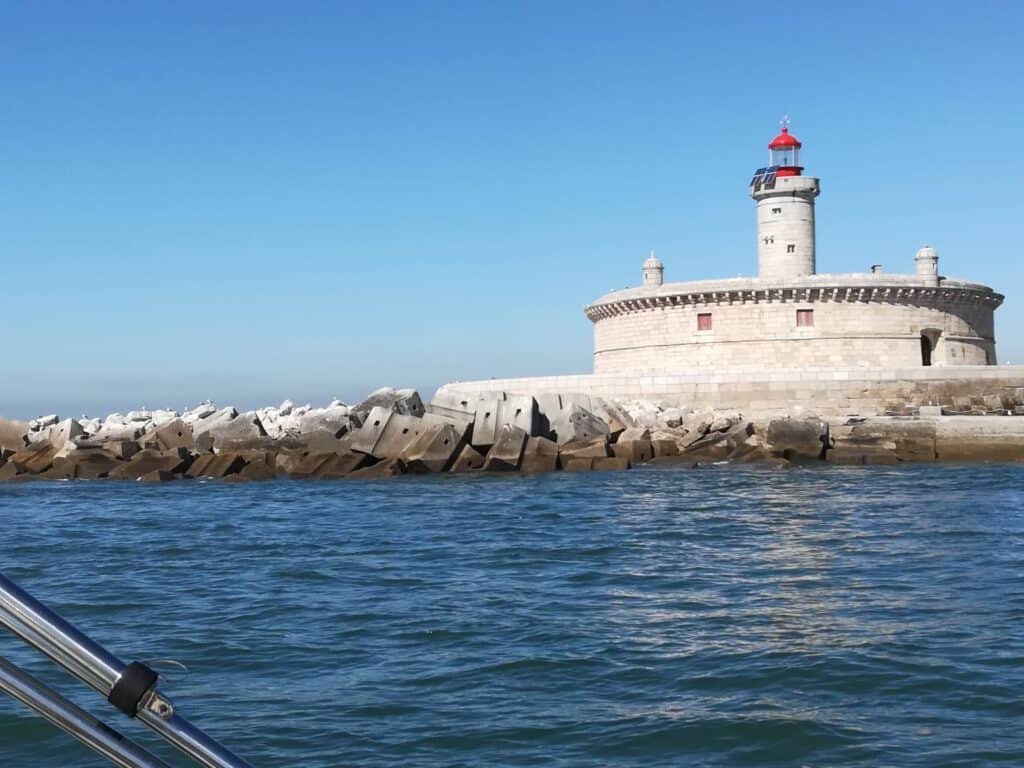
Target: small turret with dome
(653, 271)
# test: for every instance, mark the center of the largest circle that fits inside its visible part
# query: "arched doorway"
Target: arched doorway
(926, 350)
(929, 346)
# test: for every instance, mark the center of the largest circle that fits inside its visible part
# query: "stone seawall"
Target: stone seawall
(960, 390)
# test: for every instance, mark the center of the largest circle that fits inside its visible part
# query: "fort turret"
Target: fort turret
(927, 263)
(785, 211)
(653, 271)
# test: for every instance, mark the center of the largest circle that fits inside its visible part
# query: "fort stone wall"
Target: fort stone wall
(757, 335)
(838, 393)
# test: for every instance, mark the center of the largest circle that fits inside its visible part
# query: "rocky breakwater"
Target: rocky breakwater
(392, 432)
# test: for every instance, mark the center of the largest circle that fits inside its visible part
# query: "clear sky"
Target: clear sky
(252, 201)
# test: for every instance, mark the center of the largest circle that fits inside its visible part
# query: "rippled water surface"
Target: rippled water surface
(659, 617)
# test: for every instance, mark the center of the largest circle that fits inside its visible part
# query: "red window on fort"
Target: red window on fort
(704, 321)
(804, 317)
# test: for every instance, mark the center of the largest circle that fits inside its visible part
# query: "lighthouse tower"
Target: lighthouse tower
(785, 211)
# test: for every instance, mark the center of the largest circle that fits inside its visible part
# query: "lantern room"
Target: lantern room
(784, 152)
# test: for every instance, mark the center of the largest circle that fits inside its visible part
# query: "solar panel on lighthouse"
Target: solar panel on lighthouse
(764, 177)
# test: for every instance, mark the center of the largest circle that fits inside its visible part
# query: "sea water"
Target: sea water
(659, 617)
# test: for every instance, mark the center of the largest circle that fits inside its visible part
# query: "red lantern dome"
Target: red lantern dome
(785, 139)
(784, 152)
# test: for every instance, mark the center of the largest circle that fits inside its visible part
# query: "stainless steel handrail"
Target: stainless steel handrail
(62, 642)
(51, 635)
(99, 737)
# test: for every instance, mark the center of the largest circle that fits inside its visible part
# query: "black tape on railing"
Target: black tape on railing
(129, 690)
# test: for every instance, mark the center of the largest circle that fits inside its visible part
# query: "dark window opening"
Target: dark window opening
(926, 351)
(804, 317)
(790, 248)
(704, 321)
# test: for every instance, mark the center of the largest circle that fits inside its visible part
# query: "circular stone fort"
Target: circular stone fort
(790, 317)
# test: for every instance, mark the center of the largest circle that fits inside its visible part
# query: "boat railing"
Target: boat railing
(130, 688)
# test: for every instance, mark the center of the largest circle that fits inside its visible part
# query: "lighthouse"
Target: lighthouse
(785, 211)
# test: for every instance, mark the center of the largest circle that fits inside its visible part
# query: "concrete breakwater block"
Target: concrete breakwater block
(144, 462)
(13, 435)
(243, 431)
(223, 465)
(341, 465)
(539, 455)
(576, 423)
(596, 464)
(585, 448)
(804, 438)
(434, 449)
(300, 465)
(62, 433)
(635, 445)
(92, 464)
(169, 436)
(485, 424)
(719, 445)
(469, 460)
(507, 451)
(380, 470)
(385, 434)
(34, 458)
(157, 476)
(333, 422)
(406, 402)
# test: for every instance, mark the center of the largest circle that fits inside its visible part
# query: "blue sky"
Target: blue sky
(253, 201)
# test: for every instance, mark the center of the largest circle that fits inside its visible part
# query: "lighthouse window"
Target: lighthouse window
(704, 321)
(791, 248)
(804, 317)
(776, 210)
